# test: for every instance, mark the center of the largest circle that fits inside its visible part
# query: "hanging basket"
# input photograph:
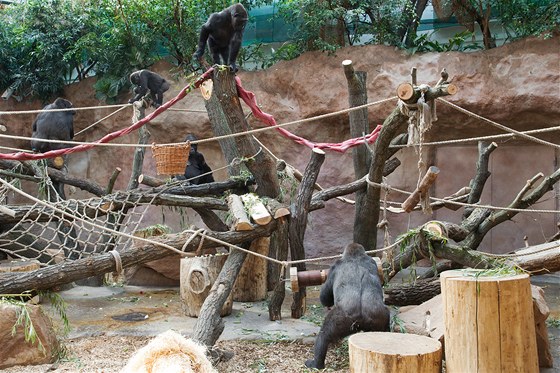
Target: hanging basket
(171, 159)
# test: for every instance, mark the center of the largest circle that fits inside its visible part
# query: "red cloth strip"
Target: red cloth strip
(249, 98)
(21, 156)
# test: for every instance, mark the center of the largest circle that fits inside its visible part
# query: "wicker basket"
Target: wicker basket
(171, 159)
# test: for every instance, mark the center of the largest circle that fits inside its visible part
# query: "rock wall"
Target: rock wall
(517, 85)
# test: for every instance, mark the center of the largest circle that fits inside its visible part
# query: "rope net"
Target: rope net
(66, 230)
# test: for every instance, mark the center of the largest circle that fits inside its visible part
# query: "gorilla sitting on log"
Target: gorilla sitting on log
(54, 125)
(224, 32)
(148, 80)
(354, 292)
(196, 165)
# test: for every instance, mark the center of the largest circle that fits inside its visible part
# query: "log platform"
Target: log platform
(489, 323)
(380, 352)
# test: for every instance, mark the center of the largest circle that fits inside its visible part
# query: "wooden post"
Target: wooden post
(489, 323)
(250, 285)
(197, 277)
(378, 352)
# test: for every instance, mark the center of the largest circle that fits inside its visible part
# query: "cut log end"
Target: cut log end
(452, 89)
(58, 162)
(405, 91)
(393, 352)
(346, 62)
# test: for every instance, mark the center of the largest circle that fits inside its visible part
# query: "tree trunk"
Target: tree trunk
(298, 223)
(262, 166)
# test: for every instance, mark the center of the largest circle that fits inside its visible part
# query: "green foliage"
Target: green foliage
(552, 322)
(329, 25)
(459, 42)
(522, 18)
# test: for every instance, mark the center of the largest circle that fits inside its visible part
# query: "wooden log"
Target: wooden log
(256, 209)
(250, 285)
(19, 266)
(412, 293)
(198, 274)
(63, 273)
(298, 223)
(379, 352)
(240, 220)
(276, 273)
(277, 209)
(489, 323)
(150, 180)
(422, 189)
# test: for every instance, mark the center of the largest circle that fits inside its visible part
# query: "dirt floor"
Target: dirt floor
(110, 353)
(100, 342)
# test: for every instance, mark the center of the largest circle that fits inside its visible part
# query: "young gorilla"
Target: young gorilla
(354, 289)
(54, 125)
(224, 33)
(196, 165)
(148, 80)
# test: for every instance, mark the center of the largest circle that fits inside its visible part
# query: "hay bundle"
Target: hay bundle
(170, 352)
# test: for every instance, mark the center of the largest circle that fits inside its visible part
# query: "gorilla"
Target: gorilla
(58, 125)
(196, 165)
(148, 80)
(224, 33)
(354, 292)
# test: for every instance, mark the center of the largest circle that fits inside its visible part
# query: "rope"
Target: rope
(101, 120)
(514, 255)
(481, 138)
(118, 261)
(500, 126)
(67, 109)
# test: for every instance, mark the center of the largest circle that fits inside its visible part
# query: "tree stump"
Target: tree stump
(489, 323)
(379, 352)
(250, 285)
(197, 277)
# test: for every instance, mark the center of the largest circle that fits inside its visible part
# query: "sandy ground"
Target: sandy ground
(109, 354)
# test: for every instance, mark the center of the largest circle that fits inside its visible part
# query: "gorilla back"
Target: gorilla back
(55, 125)
(354, 291)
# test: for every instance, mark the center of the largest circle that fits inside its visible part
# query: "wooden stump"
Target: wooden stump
(197, 277)
(489, 323)
(250, 285)
(379, 352)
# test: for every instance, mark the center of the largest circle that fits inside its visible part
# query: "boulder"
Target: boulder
(15, 350)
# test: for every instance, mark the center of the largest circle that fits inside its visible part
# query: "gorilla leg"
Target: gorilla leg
(336, 326)
(215, 50)
(158, 96)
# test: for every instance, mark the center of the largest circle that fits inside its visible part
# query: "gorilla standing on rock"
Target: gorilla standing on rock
(224, 32)
(354, 292)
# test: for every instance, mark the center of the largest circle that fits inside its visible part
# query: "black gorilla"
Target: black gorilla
(148, 80)
(196, 165)
(224, 33)
(354, 289)
(56, 125)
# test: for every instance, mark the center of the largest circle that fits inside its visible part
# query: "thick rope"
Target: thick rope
(500, 126)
